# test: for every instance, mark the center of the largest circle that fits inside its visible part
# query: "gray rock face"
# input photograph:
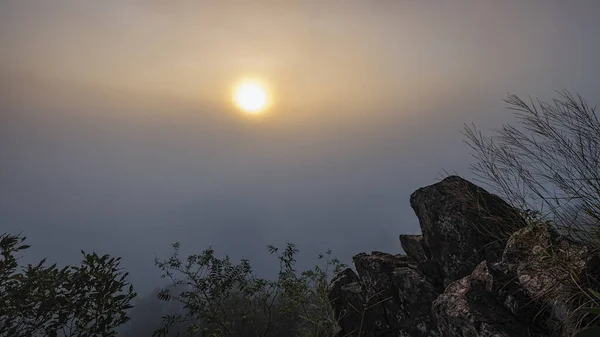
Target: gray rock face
(552, 281)
(414, 247)
(379, 263)
(461, 278)
(461, 224)
(344, 295)
(470, 307)
(389, 296)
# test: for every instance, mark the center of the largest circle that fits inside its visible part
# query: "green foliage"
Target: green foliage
(226, 299)
(85, 300)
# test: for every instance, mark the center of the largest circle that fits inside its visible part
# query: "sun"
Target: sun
(251, 97)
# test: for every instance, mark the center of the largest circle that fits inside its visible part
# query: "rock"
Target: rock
(522, 245)
(345, 293)
(508, 291)
(378, 263)
(433, 272)
(411, 308)
(462, 224)
(552, 270)
(389, 296)
(470, 308)
(413, 247)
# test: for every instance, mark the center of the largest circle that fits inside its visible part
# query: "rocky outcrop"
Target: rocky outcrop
(461, 224)
(388, 297)
(477, 270)
(552, 270)
(473, 306)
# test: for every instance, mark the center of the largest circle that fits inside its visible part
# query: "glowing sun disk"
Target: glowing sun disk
(251, 97)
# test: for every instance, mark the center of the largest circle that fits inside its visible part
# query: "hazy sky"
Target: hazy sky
(117, 133)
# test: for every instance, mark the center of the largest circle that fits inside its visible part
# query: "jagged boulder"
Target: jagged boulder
(379, 263)
(474, 307)
(388, 297)
(552, 270)
(344, 294)
(462, 224)
(535, 285)
(414, 247)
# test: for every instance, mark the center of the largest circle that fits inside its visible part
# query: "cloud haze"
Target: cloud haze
(117, 133)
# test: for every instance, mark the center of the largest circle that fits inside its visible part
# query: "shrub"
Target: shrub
(226, 299)
(85, 300)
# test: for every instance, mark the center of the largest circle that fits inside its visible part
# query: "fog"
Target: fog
(117, 134)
